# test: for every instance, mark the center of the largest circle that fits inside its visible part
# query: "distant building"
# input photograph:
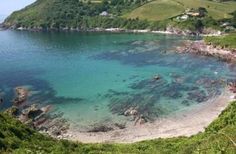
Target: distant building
(183, 17)
(104, 13)
(192, 12)
(225, 24)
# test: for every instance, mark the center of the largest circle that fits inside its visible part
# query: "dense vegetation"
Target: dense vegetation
(226, 41)
(74, 14)
(88, 15)
(219, 137)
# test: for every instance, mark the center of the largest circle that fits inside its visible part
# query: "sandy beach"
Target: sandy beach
(186, 123)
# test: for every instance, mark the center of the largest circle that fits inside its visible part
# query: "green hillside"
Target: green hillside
(164, 9)
(58, 14)
(219, 137)
(133, 14)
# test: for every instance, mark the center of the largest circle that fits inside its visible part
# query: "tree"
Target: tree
(202, 11)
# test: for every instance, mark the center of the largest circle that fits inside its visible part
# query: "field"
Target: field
(164, 9)
(227, 41)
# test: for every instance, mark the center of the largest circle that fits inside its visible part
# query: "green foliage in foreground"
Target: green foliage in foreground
(226, 41)
(219, 137)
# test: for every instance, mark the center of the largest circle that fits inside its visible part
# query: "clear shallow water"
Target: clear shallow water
(94, 77)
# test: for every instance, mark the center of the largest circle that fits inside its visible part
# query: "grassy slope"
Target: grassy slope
(34, 12)
(219, 137)
(164, 9)
(227, 41)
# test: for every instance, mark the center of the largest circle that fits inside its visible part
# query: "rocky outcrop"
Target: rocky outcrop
(21, 95)
(232, 86)
(37, 117)
(138, 118)
(157, 77)
(178, 31)
(13, 111)
(201, 48)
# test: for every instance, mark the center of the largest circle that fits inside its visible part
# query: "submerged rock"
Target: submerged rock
(157, 77)
(120, 126)
(101, 128)
(32, 112)
(232, 87)
(140, 120)
(185, 102)
(21, 95)
(198, 96)
(131, 112)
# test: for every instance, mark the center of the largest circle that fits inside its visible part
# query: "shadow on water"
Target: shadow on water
(158, 52)
(41, 91)
(148, 95)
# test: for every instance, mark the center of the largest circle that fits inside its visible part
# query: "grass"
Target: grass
(219, 137)
(163, 9)
(227, 41)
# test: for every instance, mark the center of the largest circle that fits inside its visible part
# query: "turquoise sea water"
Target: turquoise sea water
(95, 77)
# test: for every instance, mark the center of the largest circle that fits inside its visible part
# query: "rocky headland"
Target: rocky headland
(37, 116)
(202, 48)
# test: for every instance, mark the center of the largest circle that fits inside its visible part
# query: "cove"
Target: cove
(94, 78)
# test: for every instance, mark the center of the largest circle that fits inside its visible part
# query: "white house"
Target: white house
(104, 13)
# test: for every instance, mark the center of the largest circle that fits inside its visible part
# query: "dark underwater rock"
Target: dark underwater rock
(198, 96)
(101, 128)
(157, 77)
(173, 94)
(120, 126)
(185, 102)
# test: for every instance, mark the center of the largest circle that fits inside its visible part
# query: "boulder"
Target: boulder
(46, 108)
(130, 112)
(140, 120)
(157, 77)
(32, 112)
(13, 111)
(21, 95)
(232, 87)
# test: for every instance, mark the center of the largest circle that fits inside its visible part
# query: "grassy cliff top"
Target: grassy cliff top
(219, 137)
(164, 9)
(225, 41)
